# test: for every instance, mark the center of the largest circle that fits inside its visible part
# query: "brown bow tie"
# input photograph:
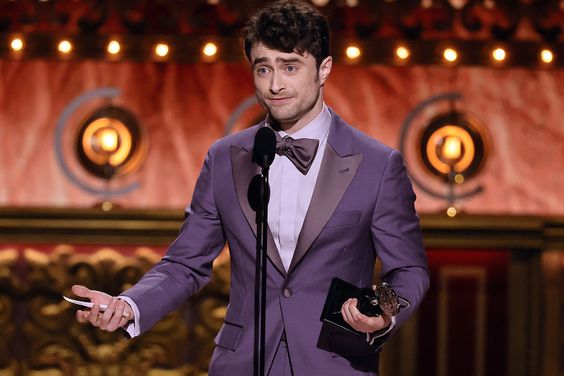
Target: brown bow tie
(300, 152)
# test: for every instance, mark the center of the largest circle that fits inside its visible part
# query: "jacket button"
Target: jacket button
(287, 293)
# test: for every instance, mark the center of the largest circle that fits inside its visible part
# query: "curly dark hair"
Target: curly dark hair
(289, 26)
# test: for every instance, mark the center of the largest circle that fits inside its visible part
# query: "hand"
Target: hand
(361, 322)
(117, 314)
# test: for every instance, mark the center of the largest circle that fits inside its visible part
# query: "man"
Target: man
(329, 217)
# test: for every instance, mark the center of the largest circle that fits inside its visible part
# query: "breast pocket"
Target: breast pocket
(344, 218)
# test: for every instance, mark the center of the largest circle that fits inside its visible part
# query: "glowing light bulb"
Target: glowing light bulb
(113, 47)
(452, 148)
(16, 44)
(402, 52)
(108, 139)
(450, 55)
(499, 54)
(210, 49)
(546, 56)
(65, 46)
(353, 52)
(161, 49)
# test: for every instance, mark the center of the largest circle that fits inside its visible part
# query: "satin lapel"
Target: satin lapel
(243, 172)
(335, 176)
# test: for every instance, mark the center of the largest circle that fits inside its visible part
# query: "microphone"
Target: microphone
(264, 147)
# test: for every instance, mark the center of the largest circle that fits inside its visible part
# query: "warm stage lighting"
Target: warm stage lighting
(450, 55)
(353, 52)
(402, 52)
(110, 143)
(451, 211)
(546, 56)
(210, 49)
(108, 140)
(161, 49)
(426, 4)
(113, 47)
(16, 44)
(65, 46)
(499, 54)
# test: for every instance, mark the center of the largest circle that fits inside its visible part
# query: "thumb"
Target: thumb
(82, 291)
(95, 296)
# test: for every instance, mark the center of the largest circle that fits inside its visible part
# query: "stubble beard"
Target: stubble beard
(291, 114)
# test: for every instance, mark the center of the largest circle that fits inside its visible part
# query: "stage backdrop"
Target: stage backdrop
(185, 108)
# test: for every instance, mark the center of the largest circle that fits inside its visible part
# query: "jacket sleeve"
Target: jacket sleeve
(187, 265)
(398, 240)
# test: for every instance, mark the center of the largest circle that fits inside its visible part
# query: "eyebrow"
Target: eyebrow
(260, 60)
(289, 60)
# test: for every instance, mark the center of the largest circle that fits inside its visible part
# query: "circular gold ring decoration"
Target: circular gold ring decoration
(110, 143)
(453, 144)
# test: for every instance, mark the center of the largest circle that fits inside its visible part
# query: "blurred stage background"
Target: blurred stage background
(481, 137)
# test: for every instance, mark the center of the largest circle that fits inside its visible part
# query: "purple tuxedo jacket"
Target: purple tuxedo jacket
(362, 208)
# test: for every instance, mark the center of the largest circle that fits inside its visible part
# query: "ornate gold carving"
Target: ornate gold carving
(8, 286)
(53, 343)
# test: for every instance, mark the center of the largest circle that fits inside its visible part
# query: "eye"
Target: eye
(261, 71)
(291, 68)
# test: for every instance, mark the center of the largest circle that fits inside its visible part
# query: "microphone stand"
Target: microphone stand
(260, 272)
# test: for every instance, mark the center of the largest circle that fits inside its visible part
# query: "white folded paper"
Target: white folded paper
(84, 304)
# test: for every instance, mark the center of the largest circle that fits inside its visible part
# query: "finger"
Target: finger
(355, 313)
(108, 314)
(128, 314)
(95, 315)
(117, 317)
(354, 318)
(345, 311)
(82, 316)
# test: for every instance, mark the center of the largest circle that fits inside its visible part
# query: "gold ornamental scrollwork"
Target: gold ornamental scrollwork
(50, 340)
(9, 286)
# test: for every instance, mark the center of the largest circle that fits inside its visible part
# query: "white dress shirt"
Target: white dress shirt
(291, 191)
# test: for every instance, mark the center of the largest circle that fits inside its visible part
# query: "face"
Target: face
(288, 85)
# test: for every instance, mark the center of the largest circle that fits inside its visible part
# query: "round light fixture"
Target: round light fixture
(110, 143)
(402, 52)
(161, 49)
(209, 49)
(450, 55)
(546, 56)
(17, 44)
(64, 46)
(353, 52)
(113, 47)
(453, 146)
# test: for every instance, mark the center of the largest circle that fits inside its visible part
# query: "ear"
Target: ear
(325, 69)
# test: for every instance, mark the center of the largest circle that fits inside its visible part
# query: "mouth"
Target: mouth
(279, 101)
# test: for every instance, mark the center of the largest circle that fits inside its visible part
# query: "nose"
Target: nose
(277, 83)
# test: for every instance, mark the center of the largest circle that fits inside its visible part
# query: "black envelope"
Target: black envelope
(339, 337)
(338, 293)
